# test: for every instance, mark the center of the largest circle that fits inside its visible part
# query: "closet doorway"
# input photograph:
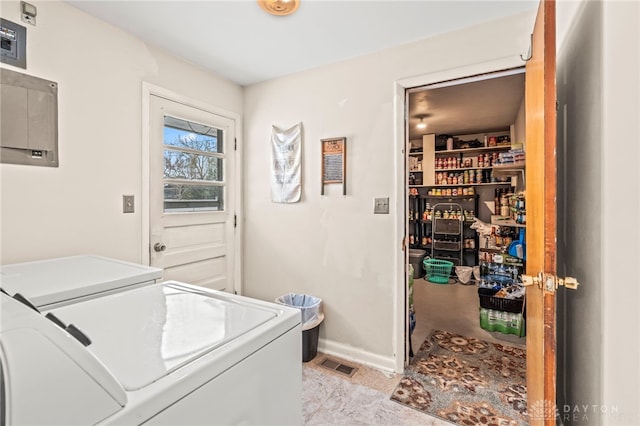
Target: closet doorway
(466, 163)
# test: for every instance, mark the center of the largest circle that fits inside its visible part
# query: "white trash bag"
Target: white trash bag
(464, 273)
(476, 273)
(310, 308)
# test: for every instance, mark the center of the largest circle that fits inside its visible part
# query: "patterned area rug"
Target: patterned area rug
(466, 381)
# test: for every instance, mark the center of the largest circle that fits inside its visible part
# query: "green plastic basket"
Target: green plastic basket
(438, 270)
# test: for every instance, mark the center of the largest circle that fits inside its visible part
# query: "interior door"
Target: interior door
(540, 102)
(191, 194)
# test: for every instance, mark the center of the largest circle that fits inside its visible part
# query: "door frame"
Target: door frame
(149, 90)
(402, 196)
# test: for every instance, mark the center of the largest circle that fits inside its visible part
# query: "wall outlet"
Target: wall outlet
(128, 203)
(381, 205)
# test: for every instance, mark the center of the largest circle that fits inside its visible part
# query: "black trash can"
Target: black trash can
(310, 343)
(311, 318)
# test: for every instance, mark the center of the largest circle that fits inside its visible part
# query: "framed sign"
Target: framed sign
(334, 162)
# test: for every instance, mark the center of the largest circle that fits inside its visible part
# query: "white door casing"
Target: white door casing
(192, 238)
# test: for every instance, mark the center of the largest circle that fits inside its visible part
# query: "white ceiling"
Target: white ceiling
(236, 39)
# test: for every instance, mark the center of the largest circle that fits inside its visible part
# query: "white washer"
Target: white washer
(170, 354)
(55, 282)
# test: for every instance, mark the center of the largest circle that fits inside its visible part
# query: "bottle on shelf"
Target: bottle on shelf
(504, 206)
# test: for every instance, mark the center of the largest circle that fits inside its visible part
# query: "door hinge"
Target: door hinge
(235, 144)
(235, 220)
(549, 282)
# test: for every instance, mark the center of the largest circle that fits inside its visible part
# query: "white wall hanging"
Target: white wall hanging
(286, 164)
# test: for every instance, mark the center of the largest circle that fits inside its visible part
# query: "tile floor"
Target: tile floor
(330, 398)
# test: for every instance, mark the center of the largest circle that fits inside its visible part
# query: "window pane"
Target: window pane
(191, 198)
(184, 134)
(182, 165)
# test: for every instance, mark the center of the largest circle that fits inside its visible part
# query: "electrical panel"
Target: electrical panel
(29, 119)
(13, 44)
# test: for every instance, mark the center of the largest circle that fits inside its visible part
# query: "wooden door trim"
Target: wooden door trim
(550, 195)
(541, 216)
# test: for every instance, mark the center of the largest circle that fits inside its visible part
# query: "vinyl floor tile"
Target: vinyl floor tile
(331, 400)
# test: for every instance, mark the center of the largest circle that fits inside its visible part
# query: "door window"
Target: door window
(194, 158)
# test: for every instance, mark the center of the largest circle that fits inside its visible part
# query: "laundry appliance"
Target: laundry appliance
(169, 353)
(59, 281)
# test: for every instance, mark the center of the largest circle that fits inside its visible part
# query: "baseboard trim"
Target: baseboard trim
(350, 353)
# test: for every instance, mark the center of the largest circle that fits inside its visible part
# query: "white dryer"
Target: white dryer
(169, 353)
(55, 282)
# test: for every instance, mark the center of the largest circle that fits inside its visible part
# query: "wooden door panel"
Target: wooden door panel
(210, 273)
(195, 235)
(175, 257)
(193, 218)
(540, 101)
(195, 243)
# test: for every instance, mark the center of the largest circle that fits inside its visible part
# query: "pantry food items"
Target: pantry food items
(469, 177)
(511, 205)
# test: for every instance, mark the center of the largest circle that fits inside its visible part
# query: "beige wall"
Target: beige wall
(77, 207)
(621, 190)
(580, 235)
(332, 246)
(598, 153)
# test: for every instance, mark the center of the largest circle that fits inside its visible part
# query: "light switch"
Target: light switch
(128, 204)
(381, 205)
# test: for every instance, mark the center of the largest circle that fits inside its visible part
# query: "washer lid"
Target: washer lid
(46, 386)
(146, 333)
(49, 281)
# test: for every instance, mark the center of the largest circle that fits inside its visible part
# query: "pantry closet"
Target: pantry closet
(466, 214)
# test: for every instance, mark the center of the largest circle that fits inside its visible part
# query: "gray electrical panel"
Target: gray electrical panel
(13, 44)
(28, 120)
